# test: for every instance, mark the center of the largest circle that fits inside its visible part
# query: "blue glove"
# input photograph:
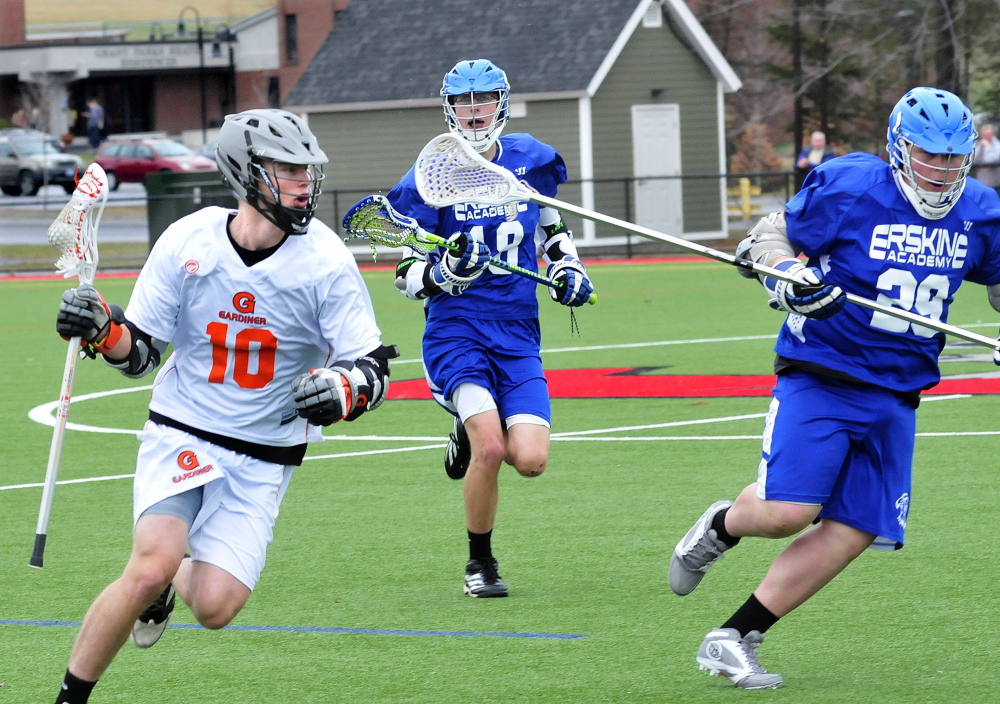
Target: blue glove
(456, 271)
(573, 285)
(809, 297)
(996, 356)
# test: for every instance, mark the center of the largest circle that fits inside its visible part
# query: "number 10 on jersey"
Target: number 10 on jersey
(247, 344)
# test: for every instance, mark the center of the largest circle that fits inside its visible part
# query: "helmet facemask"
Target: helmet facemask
(264, 194)
(935, 191)
(488, 111)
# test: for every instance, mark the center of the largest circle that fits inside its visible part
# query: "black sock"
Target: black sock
(719, 526)
(479, 546)
(752, 616)
(74, 690)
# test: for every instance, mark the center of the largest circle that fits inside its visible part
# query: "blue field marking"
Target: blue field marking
(321, 629)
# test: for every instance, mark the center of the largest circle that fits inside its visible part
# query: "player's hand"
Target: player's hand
(83, 313)
(458, 269)
(996, 355)
(809, 296)
(573, 286)
(471, 259)
(324, 396)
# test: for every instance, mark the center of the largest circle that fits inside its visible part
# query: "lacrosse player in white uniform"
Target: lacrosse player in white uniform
(273, 334)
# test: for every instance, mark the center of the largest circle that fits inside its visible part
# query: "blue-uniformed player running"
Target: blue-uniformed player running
(839, 435)
(482, 338)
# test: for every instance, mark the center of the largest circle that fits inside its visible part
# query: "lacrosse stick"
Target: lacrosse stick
(74, 233)
(450, 171)
(374, 219)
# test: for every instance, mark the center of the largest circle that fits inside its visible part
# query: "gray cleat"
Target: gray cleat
(696, 552)
(724, 653)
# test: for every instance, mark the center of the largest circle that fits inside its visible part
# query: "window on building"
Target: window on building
(292, 39)
(273, 92)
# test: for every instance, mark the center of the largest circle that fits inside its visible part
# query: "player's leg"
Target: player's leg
(481, 493)
(804, 447)
(230, 537)
(527, 444)
(809, 563)
(157, 550)
(523, 400)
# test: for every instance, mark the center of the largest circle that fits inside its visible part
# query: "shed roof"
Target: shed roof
(392, 51)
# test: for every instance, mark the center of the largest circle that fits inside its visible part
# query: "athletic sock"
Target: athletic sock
(479, 546)
(752, 616)
(74, 690)
(719, 526)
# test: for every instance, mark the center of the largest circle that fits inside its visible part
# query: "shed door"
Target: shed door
(656, 151)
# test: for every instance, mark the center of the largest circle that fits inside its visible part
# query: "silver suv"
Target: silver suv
(29, 159)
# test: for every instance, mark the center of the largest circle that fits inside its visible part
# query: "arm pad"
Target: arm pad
(556, 239)
(143, 356)
(370, 375)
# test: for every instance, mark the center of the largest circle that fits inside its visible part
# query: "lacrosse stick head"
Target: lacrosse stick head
(374, 219)
(449, 171)
(74, 231)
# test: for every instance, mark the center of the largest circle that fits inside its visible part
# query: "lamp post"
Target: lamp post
(182, 32)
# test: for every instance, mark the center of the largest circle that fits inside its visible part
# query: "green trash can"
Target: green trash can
(170, 196)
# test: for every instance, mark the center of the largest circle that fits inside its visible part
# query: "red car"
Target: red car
(130, 160)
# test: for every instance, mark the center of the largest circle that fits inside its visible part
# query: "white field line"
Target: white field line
(569, 436)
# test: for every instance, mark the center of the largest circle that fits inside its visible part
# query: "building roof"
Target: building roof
(390, 51)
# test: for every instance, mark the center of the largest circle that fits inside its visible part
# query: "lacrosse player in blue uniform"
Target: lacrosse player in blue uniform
(839, 434)
(482, 341)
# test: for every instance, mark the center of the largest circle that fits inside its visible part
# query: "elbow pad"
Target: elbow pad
(766, 243)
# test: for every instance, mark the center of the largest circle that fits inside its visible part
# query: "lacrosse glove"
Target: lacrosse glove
(573, 287)
(456, 270)
(83, 313)
(809, 296)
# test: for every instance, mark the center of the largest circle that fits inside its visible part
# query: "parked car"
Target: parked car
(208, 149)
(128, 161)
(29, 159)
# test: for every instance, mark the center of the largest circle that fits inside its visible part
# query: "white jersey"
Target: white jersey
(241, 335)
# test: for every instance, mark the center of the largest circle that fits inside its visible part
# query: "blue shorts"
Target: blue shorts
(502, 356)
(846, 447)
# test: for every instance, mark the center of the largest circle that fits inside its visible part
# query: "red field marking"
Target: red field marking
(628, 382)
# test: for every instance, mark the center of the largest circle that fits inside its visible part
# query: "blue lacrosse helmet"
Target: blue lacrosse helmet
(487, 88)
(939, 123)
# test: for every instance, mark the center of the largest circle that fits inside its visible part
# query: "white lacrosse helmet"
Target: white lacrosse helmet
(474, 79)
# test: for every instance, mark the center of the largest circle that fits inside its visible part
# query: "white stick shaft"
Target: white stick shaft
(961, 333)
(55, 449)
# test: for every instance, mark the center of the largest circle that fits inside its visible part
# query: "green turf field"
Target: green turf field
(377, 542)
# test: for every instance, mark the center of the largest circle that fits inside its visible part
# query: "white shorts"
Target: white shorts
(241, 496)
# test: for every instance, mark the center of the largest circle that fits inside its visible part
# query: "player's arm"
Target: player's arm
(559, 252)
(84, 313)
(346, 389)
(767, 244)
(418, 277)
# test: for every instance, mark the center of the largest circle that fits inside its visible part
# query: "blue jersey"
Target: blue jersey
(853, 223)
(497, 294)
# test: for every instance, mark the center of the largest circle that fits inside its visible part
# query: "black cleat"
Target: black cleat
(482, 579)
(458, 453)
(153, 621)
